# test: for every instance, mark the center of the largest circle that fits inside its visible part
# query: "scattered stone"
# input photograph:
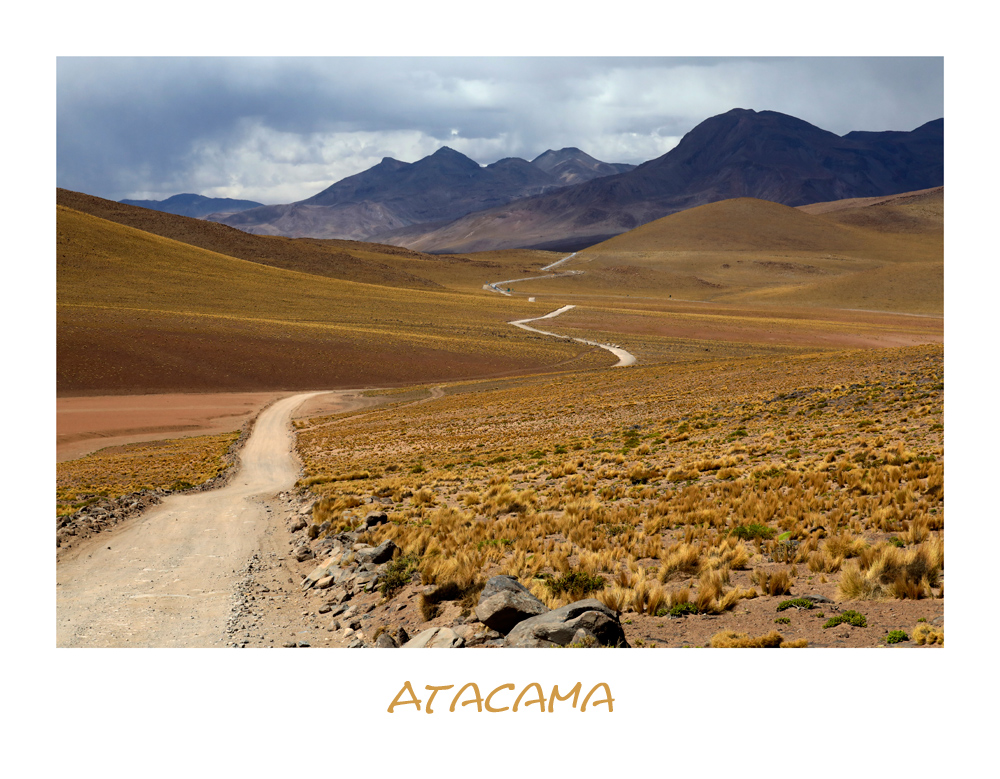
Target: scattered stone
(436, 638)
(385, 641)
(477, 635)
(338, 595)
(304, 553)
(325, 582)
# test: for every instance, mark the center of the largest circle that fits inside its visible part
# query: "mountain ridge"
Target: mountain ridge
(741, 153)
(190, 204)
(392, 194)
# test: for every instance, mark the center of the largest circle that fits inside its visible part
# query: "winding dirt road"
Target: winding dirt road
(168, 578)
(624, 358)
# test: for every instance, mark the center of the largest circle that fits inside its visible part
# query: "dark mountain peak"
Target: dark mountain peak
(934, 125)
(550, 158)
(389, 163)
(449, 155)
(185, 197)
(508, 162)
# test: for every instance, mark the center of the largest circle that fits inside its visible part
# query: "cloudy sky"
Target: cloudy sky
(278, 130)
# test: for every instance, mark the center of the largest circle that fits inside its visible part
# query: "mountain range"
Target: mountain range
(567, 200)
(436, 189)
(742, 153)
(194, 205)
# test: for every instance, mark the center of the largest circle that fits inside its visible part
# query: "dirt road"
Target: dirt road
(168, 578)
(624, 358)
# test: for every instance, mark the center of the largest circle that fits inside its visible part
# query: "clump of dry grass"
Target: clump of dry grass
(889, 572)
(773, 582)
(730, 639)
(924, 634)
(680, 560)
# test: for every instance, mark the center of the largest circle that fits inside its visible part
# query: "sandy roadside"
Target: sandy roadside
(168, 578)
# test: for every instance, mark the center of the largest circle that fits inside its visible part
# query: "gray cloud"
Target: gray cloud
(277, 130)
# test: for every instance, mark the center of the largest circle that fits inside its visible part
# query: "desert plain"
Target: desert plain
(769, 471)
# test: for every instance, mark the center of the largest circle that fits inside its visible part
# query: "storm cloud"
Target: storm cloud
(281, 129)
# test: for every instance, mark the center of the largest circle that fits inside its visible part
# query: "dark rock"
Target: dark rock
(385, 641)
(375, 518)
(505, 602)
(338, 595)
(382, 553)
(304, 553)
(558, 627)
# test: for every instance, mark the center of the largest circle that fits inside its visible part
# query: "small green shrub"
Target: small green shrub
(782, 620)
(796, 603)
(850, 617)
(574, 584)
(752, 530)
(397, 575)
(896, 637)
(680, 610)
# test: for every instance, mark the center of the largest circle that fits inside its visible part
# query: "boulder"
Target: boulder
(304, 553)
(382, 553)
(375, 518)
(436, 638)
(559, 627)
(504, 602)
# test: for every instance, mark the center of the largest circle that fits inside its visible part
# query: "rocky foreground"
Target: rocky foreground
(360, 595)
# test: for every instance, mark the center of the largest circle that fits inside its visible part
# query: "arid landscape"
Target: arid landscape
(769, 472)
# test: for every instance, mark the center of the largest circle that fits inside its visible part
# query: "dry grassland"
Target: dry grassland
(121, 470)
(141, 313)
(883, 256)
(710, 488)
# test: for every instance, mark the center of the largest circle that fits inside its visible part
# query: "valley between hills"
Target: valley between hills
(769, 471)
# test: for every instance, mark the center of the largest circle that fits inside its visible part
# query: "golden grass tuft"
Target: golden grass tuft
(773, 582)
(730, 639)
(886, 572)
(923, 634)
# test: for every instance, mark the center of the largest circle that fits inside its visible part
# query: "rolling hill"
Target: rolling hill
(886, 255)
(138, 313)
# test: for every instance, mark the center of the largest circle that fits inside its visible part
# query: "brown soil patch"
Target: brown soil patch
(86, 424)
